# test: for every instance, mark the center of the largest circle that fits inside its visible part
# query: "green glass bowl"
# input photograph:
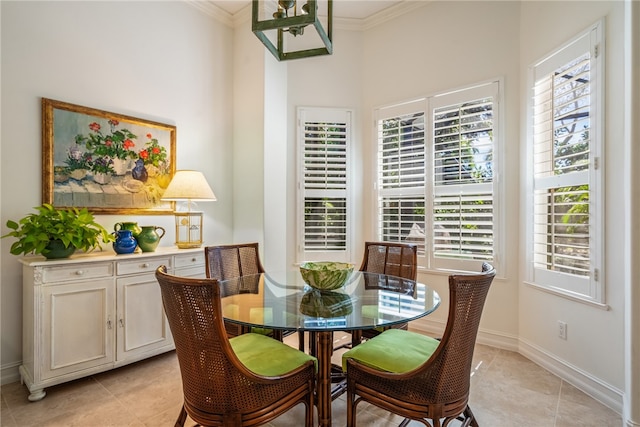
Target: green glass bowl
(325, 304)
(325, 276)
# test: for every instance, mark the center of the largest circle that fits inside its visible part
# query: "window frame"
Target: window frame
(426, 105)
(323, 115)
(482, 90)
(590, 289)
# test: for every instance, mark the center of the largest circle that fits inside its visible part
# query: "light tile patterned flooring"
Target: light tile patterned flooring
(507, 390)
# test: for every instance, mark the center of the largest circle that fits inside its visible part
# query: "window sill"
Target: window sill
(569, 296)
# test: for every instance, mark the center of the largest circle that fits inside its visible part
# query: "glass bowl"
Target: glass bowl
(325, 276)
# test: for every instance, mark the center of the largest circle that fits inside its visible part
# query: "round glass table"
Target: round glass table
(283, 301)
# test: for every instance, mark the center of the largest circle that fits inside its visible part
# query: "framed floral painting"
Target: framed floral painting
(107, 162)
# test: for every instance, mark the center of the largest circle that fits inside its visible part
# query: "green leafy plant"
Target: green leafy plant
(72, 226)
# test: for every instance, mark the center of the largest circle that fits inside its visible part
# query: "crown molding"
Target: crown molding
(399, 9)
(212, 10)
(351, 24)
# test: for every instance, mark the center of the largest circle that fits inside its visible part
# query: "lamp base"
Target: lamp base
(188, 229)
(183, 245)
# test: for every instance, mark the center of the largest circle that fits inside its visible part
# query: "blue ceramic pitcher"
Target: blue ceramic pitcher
(125, 242)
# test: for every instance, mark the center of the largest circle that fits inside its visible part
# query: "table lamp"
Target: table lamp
(189, 186)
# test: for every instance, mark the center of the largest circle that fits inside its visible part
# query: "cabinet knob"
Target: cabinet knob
(145, 265)
(79, 272)
(193, 259)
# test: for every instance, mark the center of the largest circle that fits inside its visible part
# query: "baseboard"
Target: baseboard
(9, 373)
(485, 337)
(587, 383)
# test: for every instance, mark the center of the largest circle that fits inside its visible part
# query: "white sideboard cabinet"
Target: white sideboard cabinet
(94, 312)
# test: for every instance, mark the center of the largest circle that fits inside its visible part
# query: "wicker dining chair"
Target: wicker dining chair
(393, 259)
(224, 262)
(419, 377)
(247, 380)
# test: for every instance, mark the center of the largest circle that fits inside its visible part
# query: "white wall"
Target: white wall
(163, 61)
(329, 81)
(452, 45)
(595, 343)
(248, 135)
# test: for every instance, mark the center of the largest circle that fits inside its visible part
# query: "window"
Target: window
(436, 176)
(401, 173)
(462, 206)
(324, 217)
(565, 158)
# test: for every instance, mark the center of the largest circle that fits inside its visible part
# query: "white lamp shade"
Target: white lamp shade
(188, 185)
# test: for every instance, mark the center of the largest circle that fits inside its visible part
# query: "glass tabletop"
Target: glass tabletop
(282, 300)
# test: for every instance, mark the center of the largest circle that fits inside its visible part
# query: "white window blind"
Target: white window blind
(565, 155)
(324, 217)
(401, 173)
(462, 206)
(436, 176)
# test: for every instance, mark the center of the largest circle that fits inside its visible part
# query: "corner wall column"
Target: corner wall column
(631, 404)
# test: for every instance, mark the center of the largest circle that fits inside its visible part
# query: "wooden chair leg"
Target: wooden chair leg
(277, 334)
(356, 338)
(182, 417)
(470, 416)
(301, 340)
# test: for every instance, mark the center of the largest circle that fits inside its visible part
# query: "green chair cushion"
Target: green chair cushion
(261, 331)
(394, 350)
(371, 311)
(260, 315)
(266, 356)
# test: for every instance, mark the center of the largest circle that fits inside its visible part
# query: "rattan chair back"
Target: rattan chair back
(439, 388)
(229, 261)
(218, 389)
(224, 262)
(391, 258)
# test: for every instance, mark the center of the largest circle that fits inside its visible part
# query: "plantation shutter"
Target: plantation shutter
(401, 173)
(462, 207)
(324, 136)
(565, 166)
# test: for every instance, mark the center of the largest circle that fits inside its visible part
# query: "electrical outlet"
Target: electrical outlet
(562, 329)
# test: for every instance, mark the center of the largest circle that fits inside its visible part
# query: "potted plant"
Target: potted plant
(57, 233)
(78, 162)
(102, 169)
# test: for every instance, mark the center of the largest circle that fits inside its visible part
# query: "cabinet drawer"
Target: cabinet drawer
(189, 260)
(77, 272)
(142, 265)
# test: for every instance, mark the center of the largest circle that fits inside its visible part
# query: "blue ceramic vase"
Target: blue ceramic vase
(125, 242)
(139, 172)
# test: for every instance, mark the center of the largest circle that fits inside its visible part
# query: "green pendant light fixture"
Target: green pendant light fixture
(278, 23)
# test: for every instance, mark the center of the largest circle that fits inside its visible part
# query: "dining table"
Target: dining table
(281, 301)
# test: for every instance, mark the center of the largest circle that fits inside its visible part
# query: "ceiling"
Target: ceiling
(348, 9)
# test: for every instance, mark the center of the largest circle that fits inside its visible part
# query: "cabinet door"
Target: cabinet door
(142, 325)
(78, 326)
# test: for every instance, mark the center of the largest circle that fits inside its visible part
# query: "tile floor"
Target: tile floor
(506, 390)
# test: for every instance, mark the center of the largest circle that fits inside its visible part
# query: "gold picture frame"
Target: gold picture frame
(107, 162)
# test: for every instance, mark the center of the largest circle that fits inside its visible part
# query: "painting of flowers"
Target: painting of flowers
(108, 162)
